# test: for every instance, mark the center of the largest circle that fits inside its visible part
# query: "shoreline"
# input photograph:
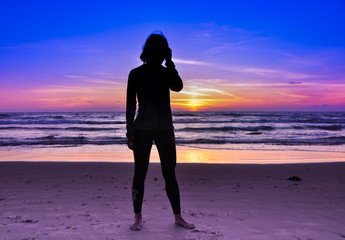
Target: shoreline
(184, 155)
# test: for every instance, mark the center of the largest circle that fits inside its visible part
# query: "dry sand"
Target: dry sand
(79, 200)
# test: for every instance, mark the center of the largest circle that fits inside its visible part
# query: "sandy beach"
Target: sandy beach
(89, 200)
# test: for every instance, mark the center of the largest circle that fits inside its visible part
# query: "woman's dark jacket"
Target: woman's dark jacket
(151, 85)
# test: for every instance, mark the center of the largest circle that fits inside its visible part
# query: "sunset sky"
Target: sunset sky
(232, 55)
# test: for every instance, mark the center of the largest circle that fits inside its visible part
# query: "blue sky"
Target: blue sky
(313, 23)
(232, 55)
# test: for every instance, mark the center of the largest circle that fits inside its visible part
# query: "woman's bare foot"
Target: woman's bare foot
(138, 223)
(183, 223)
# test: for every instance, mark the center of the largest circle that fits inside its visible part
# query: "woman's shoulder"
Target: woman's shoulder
(138, 69)
(147, 68)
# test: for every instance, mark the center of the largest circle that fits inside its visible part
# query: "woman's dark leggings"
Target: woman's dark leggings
(165, 143)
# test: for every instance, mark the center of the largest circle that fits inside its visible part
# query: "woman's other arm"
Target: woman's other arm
(131, 103)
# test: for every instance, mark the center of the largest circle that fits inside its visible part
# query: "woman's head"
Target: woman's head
(155, 49)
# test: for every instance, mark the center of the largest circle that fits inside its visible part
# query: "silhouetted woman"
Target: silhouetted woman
(151, 83)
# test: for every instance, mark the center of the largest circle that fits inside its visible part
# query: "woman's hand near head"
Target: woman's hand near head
(168, 55)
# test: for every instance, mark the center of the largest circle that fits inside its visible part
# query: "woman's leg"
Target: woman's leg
(143, 144)
(165, 142)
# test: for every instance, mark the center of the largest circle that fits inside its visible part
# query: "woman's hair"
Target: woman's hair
(155, 47)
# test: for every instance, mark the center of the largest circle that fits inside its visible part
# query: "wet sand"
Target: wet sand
(90, 200)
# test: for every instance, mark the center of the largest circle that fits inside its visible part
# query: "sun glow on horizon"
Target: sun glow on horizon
(192, 104)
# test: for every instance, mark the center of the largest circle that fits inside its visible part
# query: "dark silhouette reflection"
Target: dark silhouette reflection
(150, 84)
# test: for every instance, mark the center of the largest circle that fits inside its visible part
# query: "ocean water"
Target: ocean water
(105, 131)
